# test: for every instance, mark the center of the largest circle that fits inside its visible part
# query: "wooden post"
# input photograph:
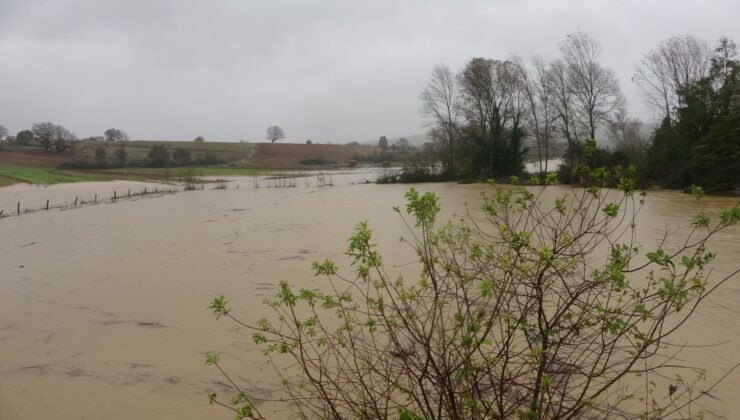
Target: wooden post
(129, 192)
(144, 190)
(96, 197)
(18, 208)
(47, 204)
(114, 194)
(75, 201)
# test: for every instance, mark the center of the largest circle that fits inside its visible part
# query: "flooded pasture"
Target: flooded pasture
(103, 307)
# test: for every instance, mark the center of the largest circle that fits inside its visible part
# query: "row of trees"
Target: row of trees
(698, 91)
(54, 137)
(485, 117)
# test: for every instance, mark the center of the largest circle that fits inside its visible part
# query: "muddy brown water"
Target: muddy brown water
(103, 308)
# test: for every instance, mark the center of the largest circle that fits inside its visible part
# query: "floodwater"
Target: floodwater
(103, 307)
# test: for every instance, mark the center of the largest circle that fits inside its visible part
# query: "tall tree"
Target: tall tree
(441, 104)
(275, 133)
(489, 89)
(52, 135)
(3, 134)
(627, 137)
(567, 121)
(596, 92)
(24, 137)
(114, 134)
(701, 144)
(383, 142)
(541, 115)
(665, 72)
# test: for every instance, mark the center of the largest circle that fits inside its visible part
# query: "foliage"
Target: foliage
(317, 161)
(383, 142)
(24, 137)
(114, 134)
(512, 315)
(412, 173)
(101, 154)
(181, 156)
(52, 135)
(701, 144)
(158, 155)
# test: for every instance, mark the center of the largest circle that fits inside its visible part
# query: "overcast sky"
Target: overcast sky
(333, 71)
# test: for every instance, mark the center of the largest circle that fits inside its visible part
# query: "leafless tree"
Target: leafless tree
(626, 134)
(275, 133)
(53, 135)
(541, 114)
(595, 88)
(563, 103)
(665, 71)
(440, 102)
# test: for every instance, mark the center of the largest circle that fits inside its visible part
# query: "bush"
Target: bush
(181, 156)
(318, 161)
(158, 155)
(412, 174)
(516, 317)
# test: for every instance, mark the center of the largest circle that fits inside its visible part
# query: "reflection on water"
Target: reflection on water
(103, 308)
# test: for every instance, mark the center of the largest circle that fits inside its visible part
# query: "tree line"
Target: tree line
(487, 117)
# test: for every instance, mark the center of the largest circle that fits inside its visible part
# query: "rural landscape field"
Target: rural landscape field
(371, 211)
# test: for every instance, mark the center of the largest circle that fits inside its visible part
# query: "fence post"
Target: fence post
(76, 201)
(47, 204)
(18, 208)
(96, 197)
(114, 194)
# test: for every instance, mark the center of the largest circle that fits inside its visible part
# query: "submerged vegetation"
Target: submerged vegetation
(513, 313)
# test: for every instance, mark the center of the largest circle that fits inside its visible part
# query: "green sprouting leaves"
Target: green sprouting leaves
(218, 306)
(361, 250)
(701, 220)
(560, 204)
(611, 209)
(660, 257)
(551, 178)
(423, 207)
(696, 190)
(286, 295)
(212, 359)
(327, 268)
(730, 217)
(259, 338)
(486, 288)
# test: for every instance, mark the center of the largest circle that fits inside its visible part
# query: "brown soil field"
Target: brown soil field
(32, 157)
(272, 154)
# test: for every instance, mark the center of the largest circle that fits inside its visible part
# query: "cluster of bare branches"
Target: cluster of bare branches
(512, 314)
(666, 72)
(502, 101)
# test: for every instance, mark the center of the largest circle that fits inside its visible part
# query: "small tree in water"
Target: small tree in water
(511, 318)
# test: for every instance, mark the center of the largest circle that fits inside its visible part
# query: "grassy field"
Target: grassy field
(44, 176)
(31, 164)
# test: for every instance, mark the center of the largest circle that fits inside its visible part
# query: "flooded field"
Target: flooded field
(103, 307)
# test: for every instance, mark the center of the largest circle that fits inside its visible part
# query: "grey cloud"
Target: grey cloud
(325, 70)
